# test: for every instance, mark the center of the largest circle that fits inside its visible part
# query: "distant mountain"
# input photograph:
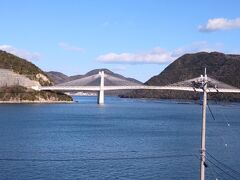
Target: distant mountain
(222, 67)
(107, 71)
(71, 78)
(59, 78)
(83, 80)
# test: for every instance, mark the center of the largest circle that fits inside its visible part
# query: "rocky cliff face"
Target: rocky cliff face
(222, 67)
(9, 78)
(23, 67)
(17, 76)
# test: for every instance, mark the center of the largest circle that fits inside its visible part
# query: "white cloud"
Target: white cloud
(69, 47)
(158, 55)
(32, 56)
(216, 24)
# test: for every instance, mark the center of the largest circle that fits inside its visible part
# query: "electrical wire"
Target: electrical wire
(219, 162)
(228, 167)
(214, 175)
(221, 169)
(214, 118)
(210, 110)
(98, 159)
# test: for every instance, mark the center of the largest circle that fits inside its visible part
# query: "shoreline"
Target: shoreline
(36, 102)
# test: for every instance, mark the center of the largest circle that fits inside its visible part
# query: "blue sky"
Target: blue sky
(136, 38)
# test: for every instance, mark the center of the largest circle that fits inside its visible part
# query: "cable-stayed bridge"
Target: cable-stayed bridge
(202, 84)
(104, 82)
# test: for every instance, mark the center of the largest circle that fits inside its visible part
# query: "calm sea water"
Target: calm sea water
(124, 139)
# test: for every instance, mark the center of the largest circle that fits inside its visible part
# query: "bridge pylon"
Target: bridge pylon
(101, 91)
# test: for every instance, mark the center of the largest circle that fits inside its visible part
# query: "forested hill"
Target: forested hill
(222, 67)
(17, 76)
(23, 67)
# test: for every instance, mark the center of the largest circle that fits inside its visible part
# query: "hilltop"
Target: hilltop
(59, 78)
(80, 80)
(18, 75)
(222, 67)
(23, 67)
(93, 79)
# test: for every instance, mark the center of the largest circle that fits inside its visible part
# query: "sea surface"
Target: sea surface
(123, 139)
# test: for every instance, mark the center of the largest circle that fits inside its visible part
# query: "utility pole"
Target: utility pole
(203, 137)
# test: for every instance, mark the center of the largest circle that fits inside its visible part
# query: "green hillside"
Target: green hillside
(23, 67)
(18, 93)
(222, 67)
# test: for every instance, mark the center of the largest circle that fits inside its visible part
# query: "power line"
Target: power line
(216, 173)
(236, 172)
(224, 165)
(221, 169)
(210, 110)
(97, 159)
(218, 167)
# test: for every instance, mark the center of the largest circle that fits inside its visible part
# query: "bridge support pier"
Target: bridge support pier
(101, 97)
(101, 92)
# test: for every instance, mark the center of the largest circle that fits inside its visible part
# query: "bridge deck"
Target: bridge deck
(111, 88)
